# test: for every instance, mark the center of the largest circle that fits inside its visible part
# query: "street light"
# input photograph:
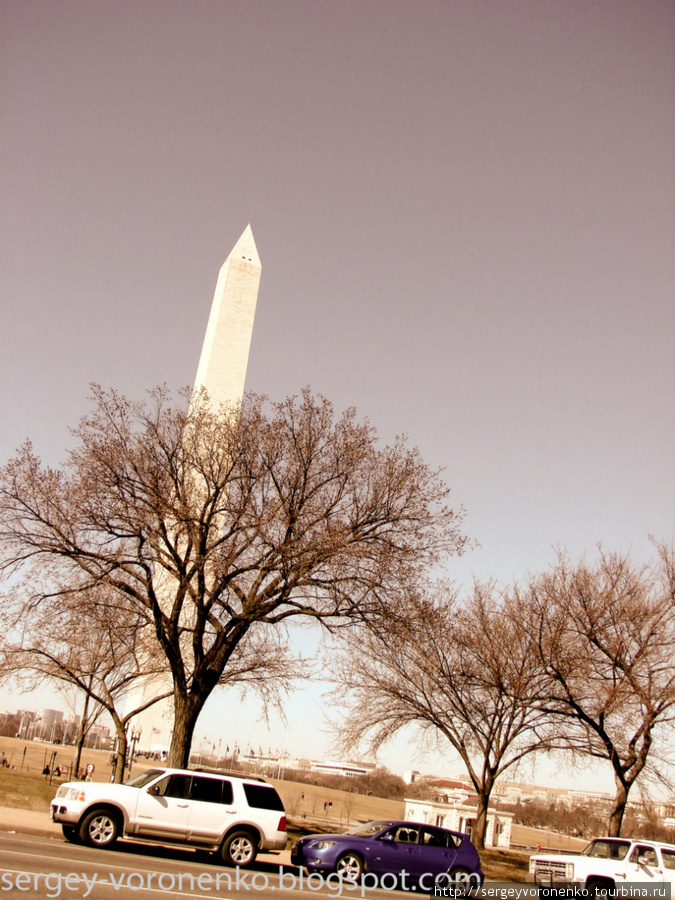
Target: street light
(135, 738)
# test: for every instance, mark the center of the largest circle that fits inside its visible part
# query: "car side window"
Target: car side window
(206, 790)
(263, 796)
(406, 835)
(173, 786)
(228, 794)
(646, 855)
(433, 838)
(668, 858)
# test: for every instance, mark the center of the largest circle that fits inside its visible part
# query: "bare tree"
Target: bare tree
(605, 635)
(94, 640)
(214, 524)
(461, 671)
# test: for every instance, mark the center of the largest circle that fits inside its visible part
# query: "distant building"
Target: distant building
(346, 769)
(343, 769)
(52, 724)
(458, 816)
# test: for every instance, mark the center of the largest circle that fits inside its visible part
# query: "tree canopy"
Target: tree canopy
(214, 523)
(455, 668)
(604, 634)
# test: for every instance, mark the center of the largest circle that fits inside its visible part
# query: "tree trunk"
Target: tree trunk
(480, 824)
(186, 713)
(81, 735)
(616, 816)
(122, 746)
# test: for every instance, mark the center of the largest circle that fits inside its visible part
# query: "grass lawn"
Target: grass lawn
(504, 865)
(25, 790)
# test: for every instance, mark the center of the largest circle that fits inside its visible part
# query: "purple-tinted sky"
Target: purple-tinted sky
(465, 212)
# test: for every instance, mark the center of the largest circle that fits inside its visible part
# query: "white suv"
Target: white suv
(234, 816)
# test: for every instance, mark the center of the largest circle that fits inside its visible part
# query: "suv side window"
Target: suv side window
(211, 790)
(668, 858)
(262, 796)
(173, 786)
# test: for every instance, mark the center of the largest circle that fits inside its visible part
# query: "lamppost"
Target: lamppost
(135, 738)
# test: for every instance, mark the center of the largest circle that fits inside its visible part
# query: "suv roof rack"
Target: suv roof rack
(212, 770)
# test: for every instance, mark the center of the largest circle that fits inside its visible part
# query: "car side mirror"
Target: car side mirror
(387, 837)
(154, 790)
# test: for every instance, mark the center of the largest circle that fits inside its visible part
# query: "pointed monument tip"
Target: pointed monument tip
(245, 248)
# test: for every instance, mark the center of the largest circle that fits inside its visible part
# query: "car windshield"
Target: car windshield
(607, 849)
(370, 828)
(139, 781)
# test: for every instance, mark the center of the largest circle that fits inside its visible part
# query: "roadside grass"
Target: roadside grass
(26, 791)
(504, 865)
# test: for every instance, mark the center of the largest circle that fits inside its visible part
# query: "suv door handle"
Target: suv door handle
(231, 812)
(182, 805)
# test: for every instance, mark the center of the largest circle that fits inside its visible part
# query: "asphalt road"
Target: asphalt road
(37, 867)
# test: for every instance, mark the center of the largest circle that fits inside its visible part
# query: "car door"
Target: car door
(396, 850)
(163, 808)
(643, 864)
(211, 808)
(668, 865)
(437, 850)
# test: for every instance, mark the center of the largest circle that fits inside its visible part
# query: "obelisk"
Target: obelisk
(222, 372)
(224, 359)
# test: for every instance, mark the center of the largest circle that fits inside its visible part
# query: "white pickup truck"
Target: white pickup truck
(607, 863)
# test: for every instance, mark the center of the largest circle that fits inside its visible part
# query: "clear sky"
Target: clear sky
(465, 212)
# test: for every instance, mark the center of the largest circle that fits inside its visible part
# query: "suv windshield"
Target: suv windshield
(138, 781)
(606, 849)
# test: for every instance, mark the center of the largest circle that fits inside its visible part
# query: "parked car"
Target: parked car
(605, 863)
(416, 853)
(234, 816)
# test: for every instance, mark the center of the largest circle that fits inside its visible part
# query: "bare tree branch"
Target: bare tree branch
(212, 524)
(604, 636)
(461, 670)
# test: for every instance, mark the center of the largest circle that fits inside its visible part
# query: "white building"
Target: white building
(458, 816)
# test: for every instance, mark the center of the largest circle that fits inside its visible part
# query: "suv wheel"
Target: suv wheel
(100, 828)
(71, 833)
(239, 849)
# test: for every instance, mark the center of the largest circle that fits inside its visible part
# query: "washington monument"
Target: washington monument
(222, 372)
(224, 358)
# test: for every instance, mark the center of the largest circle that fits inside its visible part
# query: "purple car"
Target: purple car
(417, 854)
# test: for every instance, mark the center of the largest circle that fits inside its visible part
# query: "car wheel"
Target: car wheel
(596, 888)
(100, 828)
(462, 876)
(71, 834)
(239, 849)
(349, 867)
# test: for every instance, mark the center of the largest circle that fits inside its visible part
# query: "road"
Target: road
(37, 867)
